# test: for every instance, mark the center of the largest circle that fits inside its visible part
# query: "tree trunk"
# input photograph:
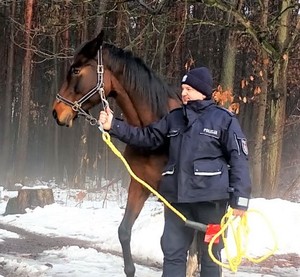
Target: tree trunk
(6, 158)
(277, 107)
(82, 154)
(175, 48)
(62, 140)
(228, 70)
(100, 19)
(55, 136)
(276, 127)
(95, 139)
(229, 60)
(22, 140)
(260, 111)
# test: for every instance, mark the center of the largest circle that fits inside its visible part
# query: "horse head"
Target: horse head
(84, 81)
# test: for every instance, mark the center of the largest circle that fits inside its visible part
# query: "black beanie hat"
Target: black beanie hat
(200, 79)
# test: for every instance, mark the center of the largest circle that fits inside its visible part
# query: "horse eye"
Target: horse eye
(75, 70)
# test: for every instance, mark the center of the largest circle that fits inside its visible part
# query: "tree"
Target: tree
(278, 96)
(22, 138)
(7, 130)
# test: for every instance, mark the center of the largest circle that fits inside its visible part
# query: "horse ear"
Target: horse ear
(91, 48)
(97, 42)
(99, 38)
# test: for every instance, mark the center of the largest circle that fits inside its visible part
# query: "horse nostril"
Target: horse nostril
(54, 113)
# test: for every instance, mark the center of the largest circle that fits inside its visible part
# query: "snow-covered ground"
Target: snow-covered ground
(97, 220)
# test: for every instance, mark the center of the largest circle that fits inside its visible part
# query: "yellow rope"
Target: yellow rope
(107, 140)
(239, 232)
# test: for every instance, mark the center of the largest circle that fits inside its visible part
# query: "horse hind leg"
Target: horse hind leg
(135, 202)
(192, 266)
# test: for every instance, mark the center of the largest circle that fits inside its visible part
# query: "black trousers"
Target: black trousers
(177, 238)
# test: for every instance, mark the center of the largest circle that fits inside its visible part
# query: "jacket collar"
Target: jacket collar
(198, 105)
(193, 109)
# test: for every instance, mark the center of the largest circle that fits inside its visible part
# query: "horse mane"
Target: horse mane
(139, 80)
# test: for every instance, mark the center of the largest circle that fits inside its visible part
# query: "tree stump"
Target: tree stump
(29, 198)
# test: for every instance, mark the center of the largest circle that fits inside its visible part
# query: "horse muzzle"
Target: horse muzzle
(65, 118)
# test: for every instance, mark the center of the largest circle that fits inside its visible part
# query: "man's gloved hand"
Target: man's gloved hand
(237, 212)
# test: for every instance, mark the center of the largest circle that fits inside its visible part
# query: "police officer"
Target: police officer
(207, 168)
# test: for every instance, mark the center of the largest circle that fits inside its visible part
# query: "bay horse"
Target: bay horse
(101, 70)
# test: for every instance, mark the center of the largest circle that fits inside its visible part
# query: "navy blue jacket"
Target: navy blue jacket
(208, 154)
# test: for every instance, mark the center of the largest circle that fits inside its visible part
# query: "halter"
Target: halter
(99, 88)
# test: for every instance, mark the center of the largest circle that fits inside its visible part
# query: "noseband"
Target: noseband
(99, 88)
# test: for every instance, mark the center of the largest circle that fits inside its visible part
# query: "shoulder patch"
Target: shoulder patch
(244, 146)
(226, 110)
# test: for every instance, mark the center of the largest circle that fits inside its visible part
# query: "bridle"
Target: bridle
(99, 88)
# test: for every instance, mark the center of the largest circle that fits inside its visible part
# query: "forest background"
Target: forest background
(252, 48)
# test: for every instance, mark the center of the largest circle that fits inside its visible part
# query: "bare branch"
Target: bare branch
(268, 47)
(151, 10)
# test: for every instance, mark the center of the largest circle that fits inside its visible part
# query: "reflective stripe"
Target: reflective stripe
(173, 133)
(209, 135)
(168, 172)
(243, 201)
(208, 173)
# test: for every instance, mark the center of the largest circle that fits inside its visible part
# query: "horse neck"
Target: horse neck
(136, 110)
(136, 114)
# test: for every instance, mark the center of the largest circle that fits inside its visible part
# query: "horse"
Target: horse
(101, 70)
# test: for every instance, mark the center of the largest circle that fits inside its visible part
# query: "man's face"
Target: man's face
(189, 94)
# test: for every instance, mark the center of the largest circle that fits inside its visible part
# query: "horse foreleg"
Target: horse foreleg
(135, 202)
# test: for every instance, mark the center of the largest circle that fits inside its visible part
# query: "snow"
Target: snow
(96, 220)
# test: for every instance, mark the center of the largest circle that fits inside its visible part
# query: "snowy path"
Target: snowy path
(79, 262)
(25, 254)
(61, 226)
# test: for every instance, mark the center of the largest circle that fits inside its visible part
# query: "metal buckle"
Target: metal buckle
(93, 121)
(100, 69)
(76, 106)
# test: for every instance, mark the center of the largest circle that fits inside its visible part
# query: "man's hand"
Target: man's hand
(237, 212)
(105, 119)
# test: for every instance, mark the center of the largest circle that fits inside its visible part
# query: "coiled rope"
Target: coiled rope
(240, 231)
